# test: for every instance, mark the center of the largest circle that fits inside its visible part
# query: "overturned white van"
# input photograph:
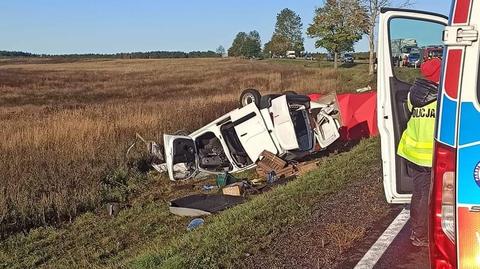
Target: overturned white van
(288, 125)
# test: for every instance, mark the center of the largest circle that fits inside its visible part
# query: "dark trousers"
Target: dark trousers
(419, 205)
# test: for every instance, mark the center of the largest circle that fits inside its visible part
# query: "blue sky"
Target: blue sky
(109, 26)
(425, 33)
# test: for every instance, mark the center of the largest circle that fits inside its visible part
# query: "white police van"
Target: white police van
(455, 192)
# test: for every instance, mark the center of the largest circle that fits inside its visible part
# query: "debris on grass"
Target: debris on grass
(201, 204)
(195, 223)
(234, 189)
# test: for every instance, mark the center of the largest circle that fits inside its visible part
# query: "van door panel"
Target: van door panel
(252, 131)
(181, 157)
(399, 90)
(283, 125)
(393, 113)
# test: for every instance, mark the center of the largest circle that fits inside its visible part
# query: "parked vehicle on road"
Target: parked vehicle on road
(414, 59)
(432, 52)
(330, 57)
(401, 47)
(291, 54)
(309, 57)
(455, 191)
(348, 58)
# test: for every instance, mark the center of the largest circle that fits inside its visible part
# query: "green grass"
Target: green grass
(146, 235)
(250, 227)
(95, 240)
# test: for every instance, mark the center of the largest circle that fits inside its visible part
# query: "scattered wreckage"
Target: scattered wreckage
(289, 125)
(268, 132)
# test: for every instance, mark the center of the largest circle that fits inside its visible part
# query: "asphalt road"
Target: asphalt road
(399, 254)
(402, 255)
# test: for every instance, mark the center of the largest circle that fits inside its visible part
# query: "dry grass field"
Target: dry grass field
(65, 125)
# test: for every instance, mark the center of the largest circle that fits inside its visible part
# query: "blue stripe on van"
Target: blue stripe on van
(448, 121)
(468, 188)
(469, 124)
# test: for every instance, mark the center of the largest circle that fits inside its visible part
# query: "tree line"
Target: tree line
(286, 37)
(130, 55)
(336, 27)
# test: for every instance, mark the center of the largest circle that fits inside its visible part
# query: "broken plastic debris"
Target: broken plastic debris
(209, 187)
(195, 223)
(272, 177)
(365, 89)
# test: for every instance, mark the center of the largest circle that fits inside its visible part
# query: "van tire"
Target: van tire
(250, 96)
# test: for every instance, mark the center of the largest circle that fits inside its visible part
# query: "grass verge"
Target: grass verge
(146, 235)
(248, 228)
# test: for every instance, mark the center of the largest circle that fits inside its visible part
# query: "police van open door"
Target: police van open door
(405, 39)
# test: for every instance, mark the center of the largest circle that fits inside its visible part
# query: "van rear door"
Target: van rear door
(180, 156)
(399, 29)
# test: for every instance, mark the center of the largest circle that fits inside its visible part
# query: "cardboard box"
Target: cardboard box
(235, 189)
(270, 162)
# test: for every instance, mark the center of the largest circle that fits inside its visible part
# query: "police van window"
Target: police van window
(412, 43)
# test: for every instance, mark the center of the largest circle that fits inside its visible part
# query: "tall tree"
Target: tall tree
(246, 45)
(373, 8)
(253, 45)
(237, 46)
(279, 45)
(220, 50)
(338, 25)
(287, 34)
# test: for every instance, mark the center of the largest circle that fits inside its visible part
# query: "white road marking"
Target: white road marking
(383, 242)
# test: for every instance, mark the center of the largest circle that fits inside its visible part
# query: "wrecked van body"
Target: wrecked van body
(289, 125)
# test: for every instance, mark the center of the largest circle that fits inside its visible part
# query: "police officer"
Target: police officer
(416, 146)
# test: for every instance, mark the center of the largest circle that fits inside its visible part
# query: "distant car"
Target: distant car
(348, 58)
(406, 50)
(288, 125)
(414, 59)
(309, 57)
(432, 52)
(330, 57)
(291, 54)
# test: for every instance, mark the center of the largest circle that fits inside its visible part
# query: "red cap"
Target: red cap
(431, 69)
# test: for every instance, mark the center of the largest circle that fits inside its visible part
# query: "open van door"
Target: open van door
(327, 118)
(400, 32)
(252, 131)
(181, 157)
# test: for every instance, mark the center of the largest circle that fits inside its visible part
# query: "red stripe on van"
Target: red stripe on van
(452, 74)
(462, 11)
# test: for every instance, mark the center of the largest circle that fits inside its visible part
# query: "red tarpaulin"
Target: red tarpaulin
(358, 112)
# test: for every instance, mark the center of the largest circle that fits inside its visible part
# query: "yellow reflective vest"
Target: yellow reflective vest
(416, 144)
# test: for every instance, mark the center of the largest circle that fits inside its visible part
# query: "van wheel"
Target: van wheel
(290, 93)
(250, 96)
